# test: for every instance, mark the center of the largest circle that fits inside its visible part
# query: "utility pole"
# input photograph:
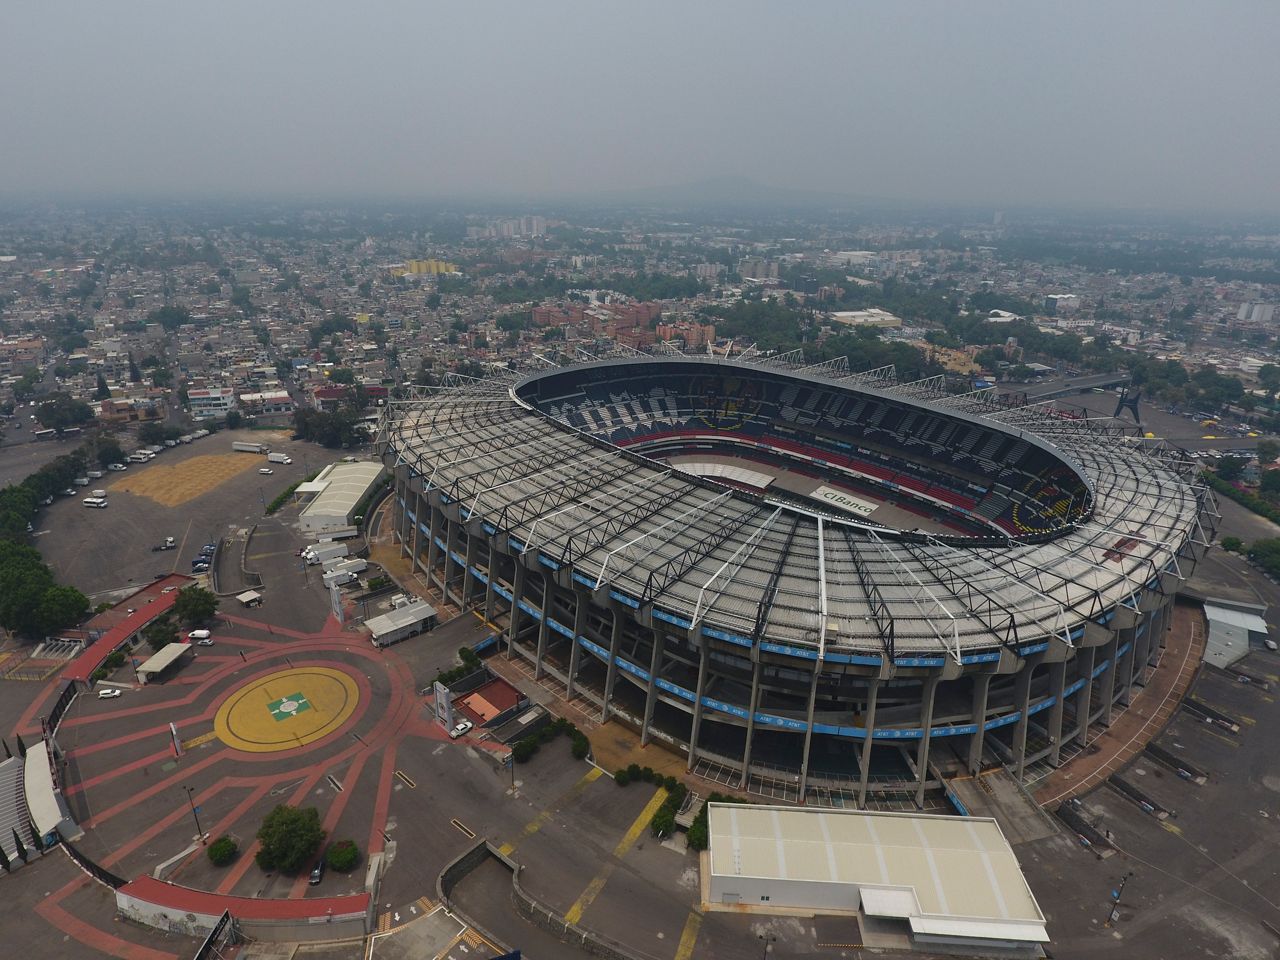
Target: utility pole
(1113, 913)
(194, 813)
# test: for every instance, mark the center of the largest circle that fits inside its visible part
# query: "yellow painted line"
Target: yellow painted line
(638, 826)
(1172, 828)
(491, 626)
(641, 823)
(197, 741)
(404, 778)
(544, 817)
(470, 834)
(689, 937)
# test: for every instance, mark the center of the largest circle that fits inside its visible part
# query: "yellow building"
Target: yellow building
(430, 268)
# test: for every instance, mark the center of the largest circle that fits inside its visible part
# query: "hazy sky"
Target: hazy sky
(1120, 103)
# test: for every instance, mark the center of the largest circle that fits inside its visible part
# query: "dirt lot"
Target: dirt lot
(196, 493)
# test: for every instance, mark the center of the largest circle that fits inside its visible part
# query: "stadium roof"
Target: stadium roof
(750, 569)
(955, 876)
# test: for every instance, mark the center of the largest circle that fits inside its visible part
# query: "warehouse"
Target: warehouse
(943, 883)
(402, 623)
(337, 491)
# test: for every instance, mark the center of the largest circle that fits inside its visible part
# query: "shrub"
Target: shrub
(524, 750)
(697, 835)
(581, 746)
(222, 851)
(1232, 544)
(100, 674)
(646, 774)
(671, 783)
(664, 822)
(633, 771)
(343, 856)
(621, 778)
(114, 661)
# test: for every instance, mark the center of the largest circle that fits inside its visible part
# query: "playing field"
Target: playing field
(174, 485)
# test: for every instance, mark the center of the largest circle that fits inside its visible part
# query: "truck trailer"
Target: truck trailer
(320, 552)
(349, 564)
(279, 458)
(241, 446)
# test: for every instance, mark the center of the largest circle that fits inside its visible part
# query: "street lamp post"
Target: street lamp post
(194, 814)
(1113, 911)
(768, 939)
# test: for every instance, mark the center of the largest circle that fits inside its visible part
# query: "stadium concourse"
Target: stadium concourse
(813, 583)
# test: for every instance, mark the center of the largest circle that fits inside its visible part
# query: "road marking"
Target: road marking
(400, 775)
(690, 936)
(471, 834)
(333, 782)
(198, 741)
(543, 818)
(638, 826)
(1172, 828)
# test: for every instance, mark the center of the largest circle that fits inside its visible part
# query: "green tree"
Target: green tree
(222, 851)
(342, 375)
(151, 433)
(1232, 544)
(160, 632)
(1270, 483)
(171, 317)
(103, 392)
(61, 411)
(195, 605)
(1269, 380)
(109, 451)
(290, 837)
(342, 855)
(61, 607)
(1267, 451)
(135, 375)
(233, 419)
(1230, 468)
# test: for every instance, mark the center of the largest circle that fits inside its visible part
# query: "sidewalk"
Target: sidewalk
(1150, 711)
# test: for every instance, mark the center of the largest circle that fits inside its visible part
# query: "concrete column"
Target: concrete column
(1022, 698)
(1107, 682)
(449, 562)
(434, 522)
(1084, 696)
(1128, 663)
(469, 561)
(543, 627)
(751, 722)
(981, 687)
(490, 594)
(1057, 683)
(513, 624)
(922, 754)
(697, 703)
(575, 652)
(808, 730)
(865, 771)
(611, 671)
(420, 509)
(651, 693)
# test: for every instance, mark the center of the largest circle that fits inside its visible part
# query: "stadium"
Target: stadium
(812, 583)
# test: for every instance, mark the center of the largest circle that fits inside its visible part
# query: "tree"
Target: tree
(1232, 544)
(1230, 468)
(61, 411)
(171, 317)
(61, 607)
(342, 855)
(135, 375)
(103, 392)
(195, 605)
(1267, 451)
(151, 433)
(1269, 380)
(233, 419)
(290, 837)
(109, 452)
(159, 633)
(342, 375)
(222, 851)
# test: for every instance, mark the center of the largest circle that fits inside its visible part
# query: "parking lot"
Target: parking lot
(100, 551)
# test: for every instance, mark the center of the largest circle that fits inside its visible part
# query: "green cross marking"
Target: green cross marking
(289, 706)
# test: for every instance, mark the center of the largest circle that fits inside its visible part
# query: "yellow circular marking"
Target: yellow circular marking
(286, 710)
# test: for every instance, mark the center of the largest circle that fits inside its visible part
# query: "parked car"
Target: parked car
(267, 471)
(108, 694)
(117, 467)
(199, 635)
(317, 872)
(461, 729)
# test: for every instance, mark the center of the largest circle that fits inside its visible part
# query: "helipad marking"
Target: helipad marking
(287, 709)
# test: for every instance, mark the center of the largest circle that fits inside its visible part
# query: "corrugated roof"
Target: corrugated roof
(164, 658)
(960, 870)
(401, 618)
(1235, 618)
(345, 486)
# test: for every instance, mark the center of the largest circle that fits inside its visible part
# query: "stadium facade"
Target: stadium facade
(695, 546)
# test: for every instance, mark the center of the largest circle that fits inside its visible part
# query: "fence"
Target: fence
(101, 874)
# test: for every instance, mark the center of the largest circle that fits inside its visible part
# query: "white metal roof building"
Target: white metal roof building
(339, 489)
(162, 660)
(1234, 629)
(401, 623)
(950, 881)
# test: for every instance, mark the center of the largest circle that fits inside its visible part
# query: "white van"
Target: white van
(198, 635)
(98, 502)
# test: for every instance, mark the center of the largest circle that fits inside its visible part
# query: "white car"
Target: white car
(116, 467)
(463, 728)
(108, 694)
(206, 642)
(265, 470)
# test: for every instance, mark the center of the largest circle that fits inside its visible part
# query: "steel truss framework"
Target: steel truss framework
(572, 518)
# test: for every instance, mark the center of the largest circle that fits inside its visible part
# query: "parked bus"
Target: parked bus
(45, 434)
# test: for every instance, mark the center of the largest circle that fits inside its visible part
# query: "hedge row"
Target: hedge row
(1249, 501)
(524, 750)
(699, 831)
(288, 492)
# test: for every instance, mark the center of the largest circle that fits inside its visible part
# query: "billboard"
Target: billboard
(444, 705)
